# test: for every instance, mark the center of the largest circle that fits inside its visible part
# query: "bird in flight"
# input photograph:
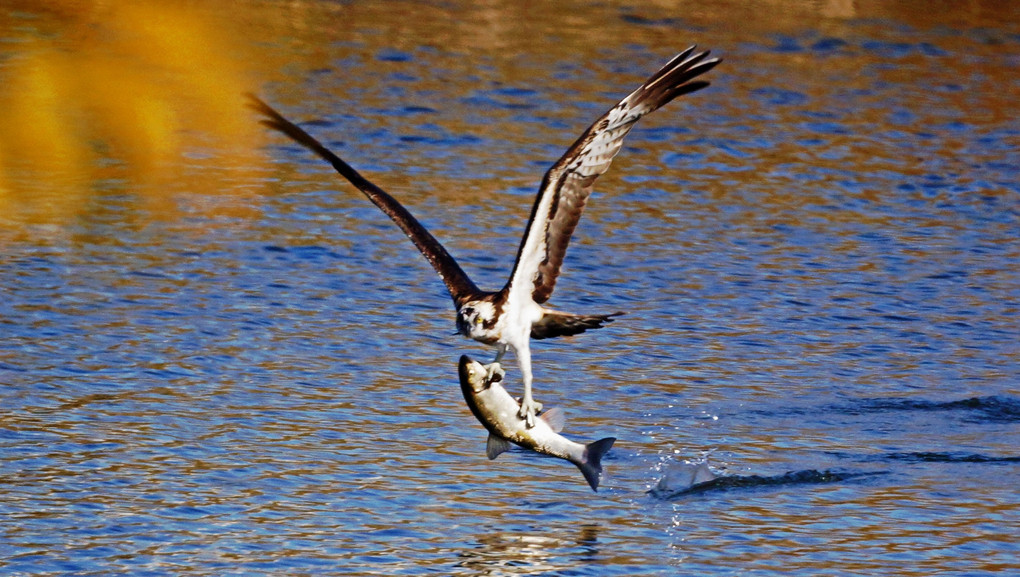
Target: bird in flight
(510, 317)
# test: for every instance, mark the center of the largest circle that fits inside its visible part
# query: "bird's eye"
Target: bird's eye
(478, 320)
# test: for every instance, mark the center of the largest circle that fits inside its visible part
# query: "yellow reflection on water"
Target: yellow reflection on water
(120, 90)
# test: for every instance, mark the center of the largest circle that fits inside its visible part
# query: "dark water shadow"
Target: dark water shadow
(666, 492)
(990, 409)
(926, 457)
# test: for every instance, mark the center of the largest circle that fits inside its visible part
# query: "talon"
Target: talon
(529, 407)
(495, 373)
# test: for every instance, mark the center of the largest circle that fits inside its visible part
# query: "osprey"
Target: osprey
(511, 316)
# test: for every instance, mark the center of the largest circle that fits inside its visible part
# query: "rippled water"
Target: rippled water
(817, 256)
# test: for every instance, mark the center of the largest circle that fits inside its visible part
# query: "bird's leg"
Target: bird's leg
(529, 406)
(495, 371)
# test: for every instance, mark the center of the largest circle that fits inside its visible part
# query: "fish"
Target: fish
(499, 412)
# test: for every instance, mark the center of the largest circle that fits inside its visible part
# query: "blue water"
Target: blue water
(818, 260)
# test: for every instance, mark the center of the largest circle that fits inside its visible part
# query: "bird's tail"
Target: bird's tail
(591, 460)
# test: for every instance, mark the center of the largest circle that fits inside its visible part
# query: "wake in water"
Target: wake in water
(695, 477)
(990, 409)
(683, 479)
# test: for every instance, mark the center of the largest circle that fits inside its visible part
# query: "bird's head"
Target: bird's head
(477, 320)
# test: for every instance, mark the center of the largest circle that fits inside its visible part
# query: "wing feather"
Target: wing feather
(568, 184)
(457, 282)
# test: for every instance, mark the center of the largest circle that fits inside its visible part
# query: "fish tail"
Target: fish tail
(591, 460)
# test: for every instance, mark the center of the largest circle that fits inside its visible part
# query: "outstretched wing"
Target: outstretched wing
(567, 185)
(457, 282)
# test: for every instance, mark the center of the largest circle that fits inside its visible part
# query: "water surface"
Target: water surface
(217, 358)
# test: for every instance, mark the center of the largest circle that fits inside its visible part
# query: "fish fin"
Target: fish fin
(591, 461)
(555, 418)
(702, 474)
(496, 446)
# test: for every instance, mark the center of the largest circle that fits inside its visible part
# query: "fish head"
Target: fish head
(473, 374)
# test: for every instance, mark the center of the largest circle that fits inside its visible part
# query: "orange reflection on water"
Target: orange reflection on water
(114, 92)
